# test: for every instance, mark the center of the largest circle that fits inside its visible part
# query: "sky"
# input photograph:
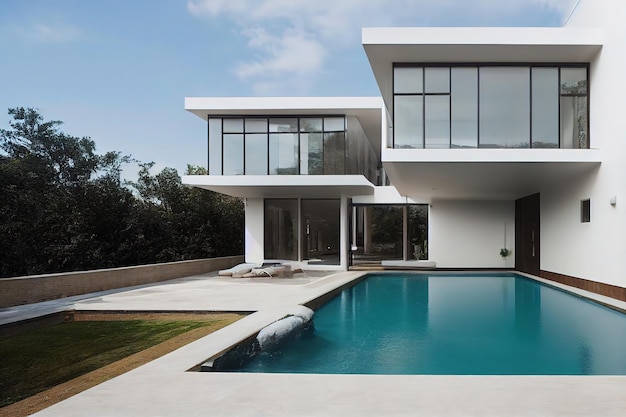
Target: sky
(118, 71)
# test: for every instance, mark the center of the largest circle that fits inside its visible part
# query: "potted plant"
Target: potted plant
(504, 252)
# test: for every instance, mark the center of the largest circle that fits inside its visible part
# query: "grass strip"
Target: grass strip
(37, 360)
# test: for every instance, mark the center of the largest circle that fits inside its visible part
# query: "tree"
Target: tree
(197, 223)
(51, 185)
(63, 207)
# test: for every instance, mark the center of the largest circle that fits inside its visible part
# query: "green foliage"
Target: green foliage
(63, 207)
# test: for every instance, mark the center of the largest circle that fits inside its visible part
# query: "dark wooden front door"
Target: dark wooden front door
(527, 248)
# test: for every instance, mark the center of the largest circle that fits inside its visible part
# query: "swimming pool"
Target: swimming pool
(462, 324)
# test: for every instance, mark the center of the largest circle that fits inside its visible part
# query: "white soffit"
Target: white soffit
(283, 186)
(386, 46)
(494, 174)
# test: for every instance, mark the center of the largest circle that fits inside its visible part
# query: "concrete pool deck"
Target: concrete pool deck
(163, 387)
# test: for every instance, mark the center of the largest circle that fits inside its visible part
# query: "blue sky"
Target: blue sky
(118, 70)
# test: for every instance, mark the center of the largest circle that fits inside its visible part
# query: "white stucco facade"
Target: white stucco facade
(470, 193)
(595, 250)
(470, 234)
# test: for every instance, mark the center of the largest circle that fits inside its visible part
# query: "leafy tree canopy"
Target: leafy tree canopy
(64, 207)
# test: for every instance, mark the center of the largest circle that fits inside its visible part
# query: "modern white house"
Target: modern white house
(482, 139)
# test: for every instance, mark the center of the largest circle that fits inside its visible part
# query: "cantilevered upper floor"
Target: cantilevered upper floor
(291, 146)
(485, 113)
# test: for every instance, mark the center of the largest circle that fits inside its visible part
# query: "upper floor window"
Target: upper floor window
(312, 145)
(490, 106)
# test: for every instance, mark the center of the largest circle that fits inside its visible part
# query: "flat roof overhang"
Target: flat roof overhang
(386, 46)
(283, 186)
(367, 109)
(484, 174)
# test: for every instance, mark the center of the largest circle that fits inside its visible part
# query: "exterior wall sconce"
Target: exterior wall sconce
(613, 200)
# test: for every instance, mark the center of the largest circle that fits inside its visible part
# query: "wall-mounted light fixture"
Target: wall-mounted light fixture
(613, 200)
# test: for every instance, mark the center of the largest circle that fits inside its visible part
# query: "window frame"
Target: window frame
(478, 65)
(298, 131)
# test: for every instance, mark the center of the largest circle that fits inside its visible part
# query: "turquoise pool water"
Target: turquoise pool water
(455, 325)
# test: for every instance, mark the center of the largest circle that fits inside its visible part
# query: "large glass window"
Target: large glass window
(321, 231)
(284, 146)
(233, 154)
(233, 146)
(409, 119)
(386, 232)
(311, 146)
(334, 146)
(334, 153)
(545, 107)
(317, 231)
(417, 231)
(283, 153)
(382, 232)
(281, 229)
(574, 111)
(256, 146)
(437, 121)
(490, 106)
(311, 153)
(215, 146)
(288, 146)
(504, 107)
(256, 154)
(464, 107)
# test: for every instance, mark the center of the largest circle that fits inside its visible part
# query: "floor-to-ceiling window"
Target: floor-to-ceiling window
(255, 146)
(313, 225)
(503, 107)
(545, 106)
(312, 146)
(290, 146)
(490, 106)
(574, 108)
(386, 227)
(417, 231)
(233, 146)
(321, 231)
(387, 232)
(283, 146)
(464, 108)
(281, 229)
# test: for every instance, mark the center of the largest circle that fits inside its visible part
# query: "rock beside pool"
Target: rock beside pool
(286, 328)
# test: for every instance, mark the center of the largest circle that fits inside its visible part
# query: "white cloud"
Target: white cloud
(290, 57)
(290, 40)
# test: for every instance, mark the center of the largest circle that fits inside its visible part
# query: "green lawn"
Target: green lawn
(34, 361)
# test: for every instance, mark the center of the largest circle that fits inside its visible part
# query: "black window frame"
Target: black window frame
(298, 132)
(478, 66)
